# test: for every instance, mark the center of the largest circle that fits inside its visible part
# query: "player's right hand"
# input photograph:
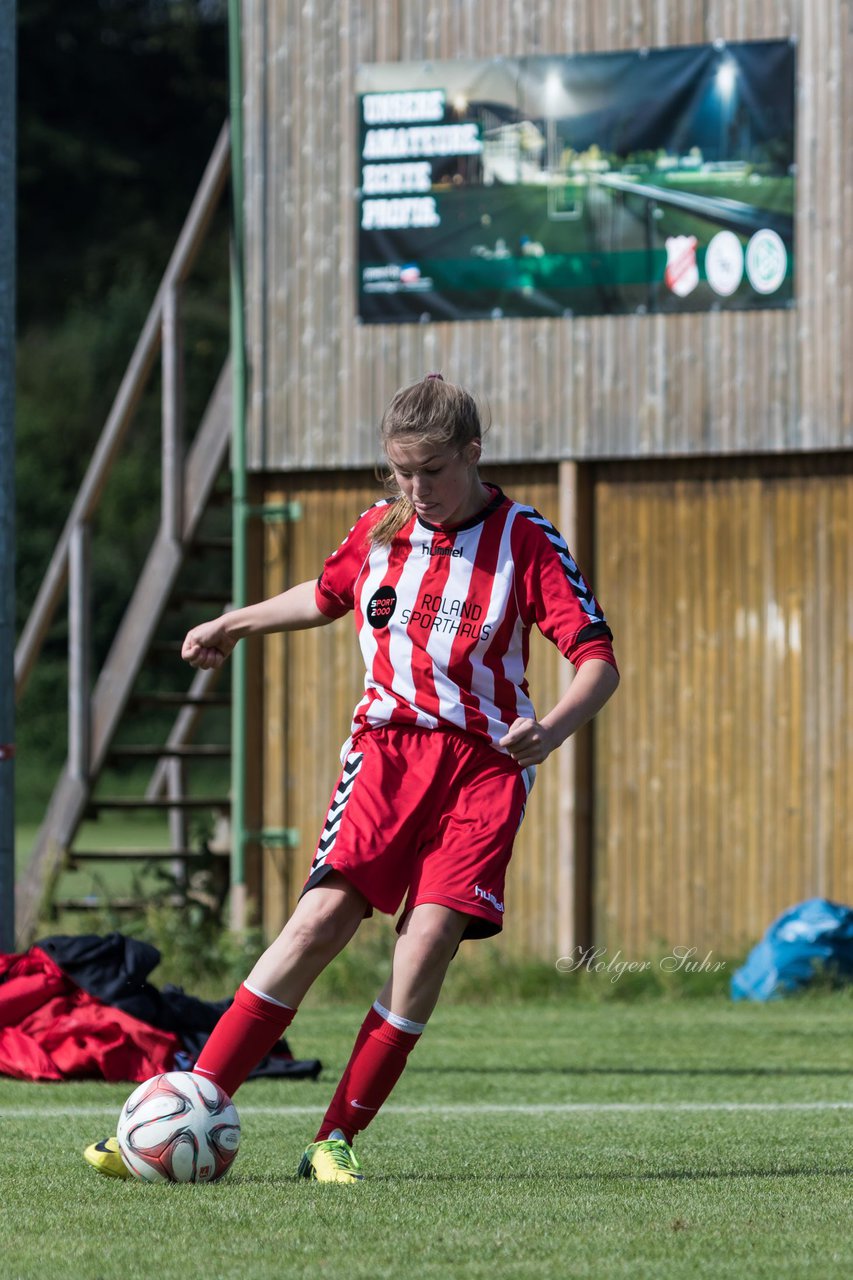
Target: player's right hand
(208, 645)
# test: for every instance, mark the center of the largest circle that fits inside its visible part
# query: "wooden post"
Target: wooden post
(178, 817)
(575, 871)
(79, 653)
(7, 476)
(172, 511)
(255, 724)
(177, 785)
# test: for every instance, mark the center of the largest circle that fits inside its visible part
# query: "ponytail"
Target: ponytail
(397, 515)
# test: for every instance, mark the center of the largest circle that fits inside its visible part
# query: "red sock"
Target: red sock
(375, 1066)
(243, 1035)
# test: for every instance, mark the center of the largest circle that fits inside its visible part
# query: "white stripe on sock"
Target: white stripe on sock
(262, 995)
(394, 1019)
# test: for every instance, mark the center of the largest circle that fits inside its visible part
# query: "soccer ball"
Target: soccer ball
(178, 1127)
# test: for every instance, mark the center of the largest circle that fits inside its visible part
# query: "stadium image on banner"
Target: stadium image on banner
(650, 180)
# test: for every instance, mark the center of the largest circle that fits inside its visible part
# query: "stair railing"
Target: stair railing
(70, 562)
(186, 478)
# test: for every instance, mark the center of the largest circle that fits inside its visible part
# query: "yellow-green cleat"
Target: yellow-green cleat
(106, 1158)
(332, 1160)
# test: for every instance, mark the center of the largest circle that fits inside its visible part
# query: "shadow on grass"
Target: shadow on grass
(678, 1175)
(670, 1175)
(667, 1175)
(771, 1072)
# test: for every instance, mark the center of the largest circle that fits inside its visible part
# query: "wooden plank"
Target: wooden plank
(574, 771)
(714, 603)
(254, 781)
(80, 652)
(219, 803)
(796, 770)
(846, 212)
(276, 888)
(172, 415)
(733, 696)
(842, 879)
(180, 736)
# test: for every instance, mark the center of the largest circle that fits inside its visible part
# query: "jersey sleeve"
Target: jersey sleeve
(335, 589)
(554, 595)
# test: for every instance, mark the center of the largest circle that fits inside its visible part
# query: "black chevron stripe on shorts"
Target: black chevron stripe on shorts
(329, 834)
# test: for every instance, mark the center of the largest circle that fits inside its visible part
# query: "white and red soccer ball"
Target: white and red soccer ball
(178, 1127)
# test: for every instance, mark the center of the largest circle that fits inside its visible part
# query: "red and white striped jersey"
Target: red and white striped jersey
(444, 616)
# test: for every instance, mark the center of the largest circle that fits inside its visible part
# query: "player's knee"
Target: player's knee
(435, 934)
(322, 926)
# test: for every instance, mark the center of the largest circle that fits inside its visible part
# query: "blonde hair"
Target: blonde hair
(432, 412)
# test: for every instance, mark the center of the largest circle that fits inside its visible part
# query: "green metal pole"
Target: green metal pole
(238, 469)
(7, 477)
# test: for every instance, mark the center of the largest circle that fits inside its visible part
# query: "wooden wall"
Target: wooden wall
(724, 765)
(582, 388)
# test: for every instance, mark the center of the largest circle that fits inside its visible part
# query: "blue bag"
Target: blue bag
(805, 940)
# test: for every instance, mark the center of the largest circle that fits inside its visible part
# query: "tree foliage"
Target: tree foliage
(120, 102)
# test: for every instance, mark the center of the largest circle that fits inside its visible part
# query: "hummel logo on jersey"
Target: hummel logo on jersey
(441, 551)
(489, 897)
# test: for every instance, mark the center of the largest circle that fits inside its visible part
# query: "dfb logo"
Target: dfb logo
(381, 606)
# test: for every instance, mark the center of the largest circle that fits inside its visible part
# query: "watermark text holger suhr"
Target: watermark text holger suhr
(679, 960)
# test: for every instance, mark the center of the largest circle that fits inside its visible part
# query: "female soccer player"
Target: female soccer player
(445, 580)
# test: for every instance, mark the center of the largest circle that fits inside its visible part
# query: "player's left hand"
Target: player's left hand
(529, 742)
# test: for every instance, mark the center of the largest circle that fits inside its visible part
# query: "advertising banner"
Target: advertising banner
(655, 180)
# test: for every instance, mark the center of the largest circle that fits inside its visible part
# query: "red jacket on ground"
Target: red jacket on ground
(50, 1029)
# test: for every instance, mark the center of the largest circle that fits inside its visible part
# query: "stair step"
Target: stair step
(130, 855)
(158, 802)
(190, 751)
(91, 903)
(182, 700)
(100, 904)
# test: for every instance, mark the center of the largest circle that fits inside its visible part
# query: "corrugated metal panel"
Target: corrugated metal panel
(724, 789)
(585, 388)
(313, 680)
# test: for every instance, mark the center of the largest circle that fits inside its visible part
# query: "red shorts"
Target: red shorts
(425, 815)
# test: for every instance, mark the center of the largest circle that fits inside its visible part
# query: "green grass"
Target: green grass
(99, 881)
(103, 880)
(107, 833)
(459, 1184)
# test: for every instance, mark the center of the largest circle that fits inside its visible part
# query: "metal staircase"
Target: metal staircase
(97, 709)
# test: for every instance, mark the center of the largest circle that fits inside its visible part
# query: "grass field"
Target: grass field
(659, 1138)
